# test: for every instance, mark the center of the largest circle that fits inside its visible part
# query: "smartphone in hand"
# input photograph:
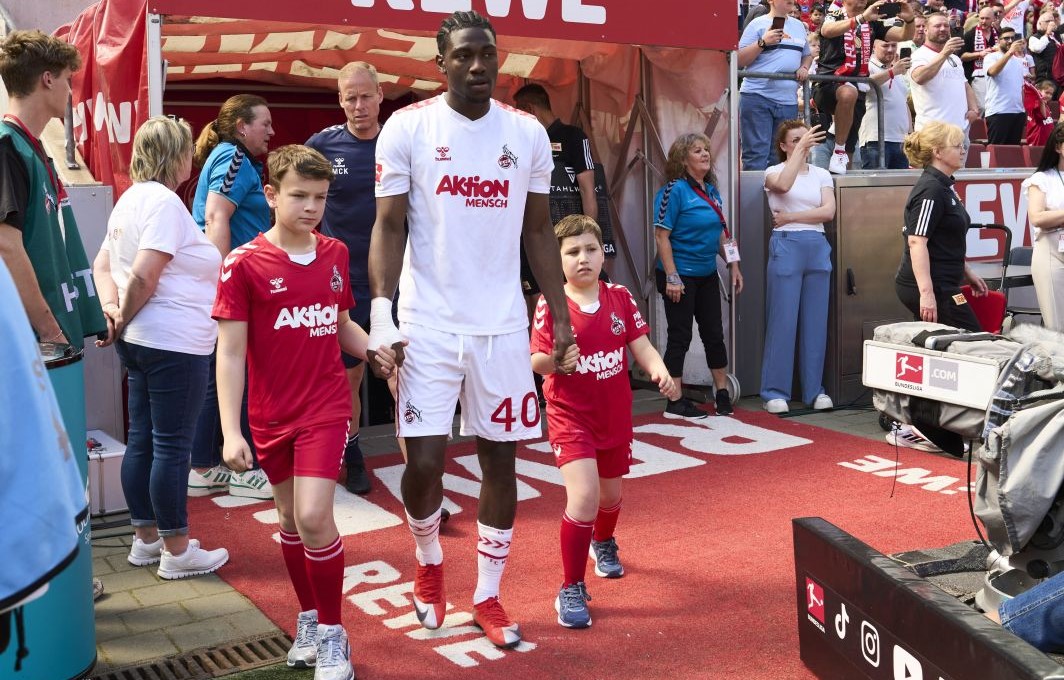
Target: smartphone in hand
(906, 52)
(889, 10)
(956, 32)
(778, 23)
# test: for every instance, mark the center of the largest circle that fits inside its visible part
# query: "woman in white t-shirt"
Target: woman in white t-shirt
(1045, 210)
(156, 275)
(801, 198)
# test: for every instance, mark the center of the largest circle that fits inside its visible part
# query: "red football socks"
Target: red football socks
(606, 522)
(296, 562)
(325, 569)
(575, 540)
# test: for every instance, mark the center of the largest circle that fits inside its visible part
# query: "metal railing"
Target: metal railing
(826, 78)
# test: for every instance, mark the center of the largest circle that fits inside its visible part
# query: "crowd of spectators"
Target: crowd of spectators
(955, 61)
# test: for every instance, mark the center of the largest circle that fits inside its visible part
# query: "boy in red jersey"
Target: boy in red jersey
(282, 305)
(589, 412)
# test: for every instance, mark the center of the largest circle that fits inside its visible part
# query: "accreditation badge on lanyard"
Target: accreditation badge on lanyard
(731, 248)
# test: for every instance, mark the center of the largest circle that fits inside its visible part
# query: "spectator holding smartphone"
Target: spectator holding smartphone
(886, 70)
(978, 43)
(773, 43)
(1043, 46)
(939, 89)
(1006, 119)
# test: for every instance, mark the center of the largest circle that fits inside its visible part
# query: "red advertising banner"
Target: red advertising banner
(994, 201)
(712, 24)
(111, 88)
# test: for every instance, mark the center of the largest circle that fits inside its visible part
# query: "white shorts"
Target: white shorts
(490, 375)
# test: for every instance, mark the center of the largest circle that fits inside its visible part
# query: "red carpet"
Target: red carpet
(705, 538)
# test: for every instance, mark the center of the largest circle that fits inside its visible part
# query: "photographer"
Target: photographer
(888, 71)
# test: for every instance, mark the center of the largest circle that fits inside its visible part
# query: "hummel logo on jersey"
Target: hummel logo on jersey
(443, 153)
(336, 282)
(339, 166)
(320, 320)
(616, 325)
(486, 193)
(602, 364)
(507, 158)
(278, 285)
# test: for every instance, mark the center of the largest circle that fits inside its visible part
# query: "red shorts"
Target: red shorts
(311, 451)
(615, 462)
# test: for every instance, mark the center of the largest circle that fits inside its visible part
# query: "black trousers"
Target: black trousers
(1006, 128)
(950, 313)
(700, 302)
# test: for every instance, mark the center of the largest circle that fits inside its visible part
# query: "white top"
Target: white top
(1014, 18)
(1004, 92)
(896, 120)
(177, 317)
(805, 194)
(467, 182)
(943, 97)
(1051, 182)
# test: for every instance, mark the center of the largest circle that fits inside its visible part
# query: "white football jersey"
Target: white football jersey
(467, 183)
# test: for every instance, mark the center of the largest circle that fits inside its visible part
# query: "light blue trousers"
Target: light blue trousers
(798, 287)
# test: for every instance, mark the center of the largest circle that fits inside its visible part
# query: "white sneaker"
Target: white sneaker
(823, 403)
(251, 484)
(214, 480)
(142, 554)
(777, 406)
(304, 651)
(334, 654)
(193, 562)
(909, 437)
(839, 161)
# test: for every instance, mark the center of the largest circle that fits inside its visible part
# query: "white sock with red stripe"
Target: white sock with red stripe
(427, 537)
(493, 547)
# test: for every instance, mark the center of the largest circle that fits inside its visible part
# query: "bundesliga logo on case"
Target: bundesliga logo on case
(814, 603)
(909, 368)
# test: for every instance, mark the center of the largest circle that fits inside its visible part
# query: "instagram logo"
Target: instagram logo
(870, 643)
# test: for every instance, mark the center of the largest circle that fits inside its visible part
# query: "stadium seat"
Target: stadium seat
(1033, 154)
(1006, 156)
(975, 152)
(977, 131)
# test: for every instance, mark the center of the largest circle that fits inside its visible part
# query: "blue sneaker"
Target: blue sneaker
(571, 605)
(605, 555)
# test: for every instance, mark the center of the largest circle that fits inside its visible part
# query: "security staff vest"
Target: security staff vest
(52, 242)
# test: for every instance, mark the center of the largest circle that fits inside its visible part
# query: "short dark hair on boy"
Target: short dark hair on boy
(305, 161)
(577, 225)
(456, 22)
(26, 55)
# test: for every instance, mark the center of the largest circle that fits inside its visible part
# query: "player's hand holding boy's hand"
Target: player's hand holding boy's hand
(569, 360)
(384, 334)
(387, 359)
(566, 353)
(236, 454)
(666, 385)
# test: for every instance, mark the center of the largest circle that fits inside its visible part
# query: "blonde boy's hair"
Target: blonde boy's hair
(305, 161)
(577, 225)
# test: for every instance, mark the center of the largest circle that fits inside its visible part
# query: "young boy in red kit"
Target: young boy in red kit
(589, 412)
(282, 305)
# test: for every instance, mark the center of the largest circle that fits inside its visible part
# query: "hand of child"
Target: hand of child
(237, 454)
(569, 359)
(666, 385)
(386, 359)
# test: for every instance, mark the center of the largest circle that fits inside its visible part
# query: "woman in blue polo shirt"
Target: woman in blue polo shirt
(231, 208)
(690, 232)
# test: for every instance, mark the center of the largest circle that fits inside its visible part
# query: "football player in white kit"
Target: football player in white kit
(470, 176)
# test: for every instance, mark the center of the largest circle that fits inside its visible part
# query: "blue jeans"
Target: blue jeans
(1037, 615)
(896, 159)
(206, 445)
(166, 392)
(759, 118)
(797, 291)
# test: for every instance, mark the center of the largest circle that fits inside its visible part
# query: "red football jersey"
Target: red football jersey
(595, 402)
(295, 374)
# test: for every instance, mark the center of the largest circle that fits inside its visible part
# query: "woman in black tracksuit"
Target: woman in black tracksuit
(932, 267)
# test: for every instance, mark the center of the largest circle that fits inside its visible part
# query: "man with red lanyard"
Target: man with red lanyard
(845, 49)
(39, 239)
(980, 41)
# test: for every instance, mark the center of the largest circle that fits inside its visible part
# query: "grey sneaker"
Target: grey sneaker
(214, 480)
(334, 654)
(304, 651)
(251, 484)
(571, 605)
(605, 555)
(193, 562)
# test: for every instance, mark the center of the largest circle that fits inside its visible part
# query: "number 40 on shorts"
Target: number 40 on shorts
(529, 412)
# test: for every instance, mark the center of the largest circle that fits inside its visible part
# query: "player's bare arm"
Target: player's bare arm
(650, 361)
(386, 246)
(541, 246)
(232, 356)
